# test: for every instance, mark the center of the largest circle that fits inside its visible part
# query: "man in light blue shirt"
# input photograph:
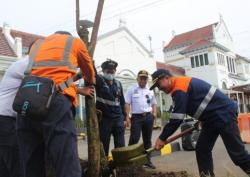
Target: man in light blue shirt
(141, 103)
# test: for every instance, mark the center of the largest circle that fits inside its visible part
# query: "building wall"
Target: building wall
(122, 48)
(243, 68)
(207, 72)
(222, 36)
(173, 55)
(215, 73)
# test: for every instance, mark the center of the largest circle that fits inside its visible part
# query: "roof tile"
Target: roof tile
(190, 37)
(27, 39)
(175, 70)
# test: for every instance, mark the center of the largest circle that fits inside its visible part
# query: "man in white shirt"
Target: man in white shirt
(141, 102)
(9, 156)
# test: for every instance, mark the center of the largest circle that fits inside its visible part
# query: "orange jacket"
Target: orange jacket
(52, 49)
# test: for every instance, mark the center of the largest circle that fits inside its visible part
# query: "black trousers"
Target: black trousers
(113, 127)
(141, 124)
(55, 136)
(9, 153)
(231, 137)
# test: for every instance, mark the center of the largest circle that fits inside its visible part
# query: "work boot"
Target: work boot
(246, 168)
(149, 164)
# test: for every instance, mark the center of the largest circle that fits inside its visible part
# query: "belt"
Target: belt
(142, 114)
(11, 117)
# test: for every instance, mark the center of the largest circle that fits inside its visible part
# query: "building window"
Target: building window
(247, 69)
(192, 62)
(199, 60)
(221, 59)
(231, 65)
(206, 59)
(228, 67)
(224, 86)
(25, 50)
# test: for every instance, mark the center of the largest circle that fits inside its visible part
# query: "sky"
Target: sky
(157, 18)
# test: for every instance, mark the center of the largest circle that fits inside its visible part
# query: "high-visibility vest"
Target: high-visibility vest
(53, 59)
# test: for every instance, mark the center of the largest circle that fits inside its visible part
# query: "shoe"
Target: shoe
(150, 165)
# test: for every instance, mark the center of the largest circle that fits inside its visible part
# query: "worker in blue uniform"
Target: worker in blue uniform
(216, 112)
(110, 102)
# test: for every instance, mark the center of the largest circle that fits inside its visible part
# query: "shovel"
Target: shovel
(173, 138)
(137, 155)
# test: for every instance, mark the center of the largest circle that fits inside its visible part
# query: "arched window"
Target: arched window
(127, 73)
(224, 86)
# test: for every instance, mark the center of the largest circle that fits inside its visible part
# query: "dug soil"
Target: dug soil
(131, 171)
(142, 172)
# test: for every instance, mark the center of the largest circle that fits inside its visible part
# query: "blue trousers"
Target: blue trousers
(9, 153)
(113, 127)
(55, 136)
(230, 135)
(141, 124)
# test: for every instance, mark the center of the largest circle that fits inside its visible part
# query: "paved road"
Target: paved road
(185, 160)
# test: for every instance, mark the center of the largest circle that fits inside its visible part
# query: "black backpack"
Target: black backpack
(34, 97)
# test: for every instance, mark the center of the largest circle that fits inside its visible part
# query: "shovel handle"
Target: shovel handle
(185, 132)
(169, 140)
(173, 138)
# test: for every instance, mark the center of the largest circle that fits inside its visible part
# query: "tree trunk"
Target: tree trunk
(94, 150)
(93, 139)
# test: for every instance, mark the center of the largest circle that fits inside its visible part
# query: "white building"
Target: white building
(130, 54)
(208, 53)
(13, 46)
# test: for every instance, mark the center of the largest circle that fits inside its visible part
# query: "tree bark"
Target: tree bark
(94, 147)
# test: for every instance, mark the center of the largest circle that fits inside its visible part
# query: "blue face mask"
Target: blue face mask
(109, 77)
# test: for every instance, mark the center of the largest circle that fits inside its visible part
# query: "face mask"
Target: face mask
(109, 77)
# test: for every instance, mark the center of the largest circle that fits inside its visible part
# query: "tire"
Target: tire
(189, 141)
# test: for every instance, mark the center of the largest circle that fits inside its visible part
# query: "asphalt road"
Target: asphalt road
(186, 160)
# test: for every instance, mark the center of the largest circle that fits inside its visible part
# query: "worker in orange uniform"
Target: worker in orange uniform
(216, 112)
(56, 57)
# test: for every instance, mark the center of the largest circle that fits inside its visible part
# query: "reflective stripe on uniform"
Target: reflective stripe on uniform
(177, 116)
(108, 102)
(66, 84)
(64, 62)
(32, 57)
(205, 102)
(53, 64)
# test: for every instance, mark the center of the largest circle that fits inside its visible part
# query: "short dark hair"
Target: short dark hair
(63, 32)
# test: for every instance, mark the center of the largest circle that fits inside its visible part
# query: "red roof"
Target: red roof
(191, 37)
(175, 70)
(5, 49)
(196, 45)
(27, 39)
